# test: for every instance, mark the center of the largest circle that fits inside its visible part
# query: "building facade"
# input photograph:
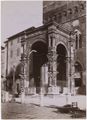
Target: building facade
(3, 62)
(52, 56)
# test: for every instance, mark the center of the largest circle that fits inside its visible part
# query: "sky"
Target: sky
(17, 16)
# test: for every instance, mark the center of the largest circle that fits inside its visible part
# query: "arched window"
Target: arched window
(51, 41)
(78, 43)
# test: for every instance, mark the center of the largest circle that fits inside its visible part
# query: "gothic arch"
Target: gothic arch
(38, 60)
(61, 66)
(64, 46)
(38, 40)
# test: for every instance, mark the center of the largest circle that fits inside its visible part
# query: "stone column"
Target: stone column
(67, 73)
(55, 67)
(23, 74)
(52, 70)
(69, 65)
(22, 89)
(25, 71)
(55, 71)
(69, 78)
(22, 79)
(44, 78)
(71, 70)
(28, 47)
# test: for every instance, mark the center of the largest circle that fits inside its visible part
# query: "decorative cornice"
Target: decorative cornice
(40, 29)
(67, 11)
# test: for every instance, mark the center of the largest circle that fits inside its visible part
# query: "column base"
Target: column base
(22, 97)
(57, 90)
(32, 91)
(53, 90)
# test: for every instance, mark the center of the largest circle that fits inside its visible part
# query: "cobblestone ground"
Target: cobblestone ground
(30, 111)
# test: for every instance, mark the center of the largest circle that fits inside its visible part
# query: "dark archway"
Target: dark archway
(38, 59)
(61, 65)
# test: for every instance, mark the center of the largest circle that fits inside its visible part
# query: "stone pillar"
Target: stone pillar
(28, 48)
(71, 70)
(46, 74)
(67, 73)
(23, 69)
(44, 78)
(52, 70)
(50, 74)
(69, 65)
(55, 68)
(69, 78)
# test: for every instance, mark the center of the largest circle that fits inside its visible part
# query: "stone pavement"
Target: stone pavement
(30, 111)
(56, 100)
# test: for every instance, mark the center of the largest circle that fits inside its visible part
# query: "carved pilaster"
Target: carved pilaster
(50, 69)
(52, 57)
(71, 71)
(28, 49)
(55, 67)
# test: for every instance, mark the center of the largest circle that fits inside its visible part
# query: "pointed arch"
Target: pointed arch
(61, 66)
(38, 59)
